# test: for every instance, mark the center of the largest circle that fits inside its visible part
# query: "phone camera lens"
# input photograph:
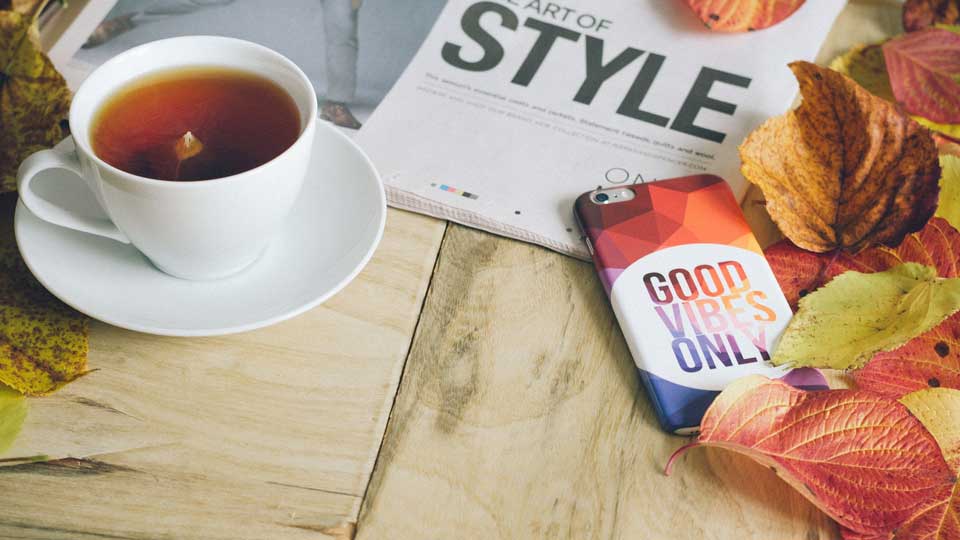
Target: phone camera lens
(602, 197)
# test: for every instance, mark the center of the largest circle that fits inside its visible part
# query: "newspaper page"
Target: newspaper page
(513, 108)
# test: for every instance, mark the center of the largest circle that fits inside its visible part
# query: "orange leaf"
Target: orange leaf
(800, 272)
(920, 14)
(923, 68)
(845, 170)
(862, 458)
(930, 360)
(743, 15)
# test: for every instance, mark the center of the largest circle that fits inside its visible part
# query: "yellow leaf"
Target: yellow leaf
(865, 65)
(950, 130)
(949, 206)
(938, 409)
(844, 323)
(34, 98)
(13, 409)
(43, 342)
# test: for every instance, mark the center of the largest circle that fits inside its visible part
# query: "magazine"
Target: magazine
(498, 113)
(513, 108)
(353, 51)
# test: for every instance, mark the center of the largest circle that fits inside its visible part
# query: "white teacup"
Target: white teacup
(198, 230)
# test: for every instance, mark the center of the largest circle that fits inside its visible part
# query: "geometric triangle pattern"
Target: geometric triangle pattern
(699, 209)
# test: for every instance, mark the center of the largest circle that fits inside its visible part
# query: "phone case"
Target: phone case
(697, 302)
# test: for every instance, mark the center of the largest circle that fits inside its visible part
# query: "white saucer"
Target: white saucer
(327, 239)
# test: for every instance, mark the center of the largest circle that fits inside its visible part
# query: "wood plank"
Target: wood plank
(520, 416)
(520, 413)
(267, 434)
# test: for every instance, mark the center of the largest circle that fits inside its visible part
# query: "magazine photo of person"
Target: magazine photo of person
(352, 50)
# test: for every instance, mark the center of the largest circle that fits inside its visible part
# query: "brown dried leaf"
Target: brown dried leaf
(845, 170)
(34, 98)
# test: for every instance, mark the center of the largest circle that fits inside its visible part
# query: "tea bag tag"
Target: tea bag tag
(185, 148)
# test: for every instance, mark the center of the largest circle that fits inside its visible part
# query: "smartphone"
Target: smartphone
(697, 302)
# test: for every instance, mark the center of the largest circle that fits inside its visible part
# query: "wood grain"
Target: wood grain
(520, 415)
(267, 434)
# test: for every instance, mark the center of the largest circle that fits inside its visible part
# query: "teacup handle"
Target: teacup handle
(43, 209)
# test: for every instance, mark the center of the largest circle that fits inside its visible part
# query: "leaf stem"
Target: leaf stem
(673, 457)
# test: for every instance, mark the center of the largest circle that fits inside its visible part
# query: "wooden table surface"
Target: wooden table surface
(464, 386)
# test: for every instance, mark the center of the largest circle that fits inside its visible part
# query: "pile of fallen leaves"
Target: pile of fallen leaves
(863, 180)
(43, 343)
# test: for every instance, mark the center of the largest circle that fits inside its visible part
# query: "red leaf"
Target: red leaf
(920, 14)
(862, 458)
(800, 272)
(938, 521)
(743, 15)
(847, 534)
(930, 360)
(923, 67)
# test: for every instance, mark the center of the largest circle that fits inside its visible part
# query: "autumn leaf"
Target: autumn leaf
(949, 207)
(22, 6)
(950, 131)
(13, 409)
(946, 145)
(801, 272)
(743, 15)
(34, 98)
(845, 170)
(938, 409)
(939, 412)
(865, 65)
(920, 14)
(43, 342)
(923, 68)
(844, 323)
(864, 459)
(931, 360)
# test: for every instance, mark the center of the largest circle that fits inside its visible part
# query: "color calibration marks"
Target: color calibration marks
(456, 191)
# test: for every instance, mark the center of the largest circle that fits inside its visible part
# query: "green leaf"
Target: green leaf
(843, 324)
(13, 409)
(949, 206)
